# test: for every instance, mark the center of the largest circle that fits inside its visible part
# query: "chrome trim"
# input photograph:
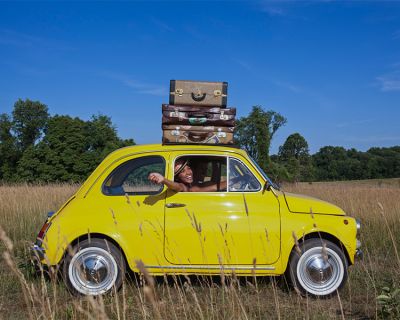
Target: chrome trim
(247, 167)
(191, 267)
(217, 154)
(175, 205)
(38, 252)
(320, 271)
(359, 255)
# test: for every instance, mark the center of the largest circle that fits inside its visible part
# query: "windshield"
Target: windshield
(264, 174)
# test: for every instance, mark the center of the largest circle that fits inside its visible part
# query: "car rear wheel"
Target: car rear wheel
(94, 267)
(320, 270)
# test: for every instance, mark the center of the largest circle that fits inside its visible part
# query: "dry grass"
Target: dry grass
(23, 296)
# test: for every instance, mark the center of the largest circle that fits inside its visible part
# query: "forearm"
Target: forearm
(210, 187)
(176, 186)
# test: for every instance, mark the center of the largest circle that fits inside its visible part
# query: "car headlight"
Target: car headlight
(358, 224)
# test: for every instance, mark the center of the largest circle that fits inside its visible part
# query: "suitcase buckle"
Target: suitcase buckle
(177, 114)
(221, 134)
(217, 93)
(176, 132)
(223, 116)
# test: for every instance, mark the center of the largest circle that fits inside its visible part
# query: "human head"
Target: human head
(182, 171)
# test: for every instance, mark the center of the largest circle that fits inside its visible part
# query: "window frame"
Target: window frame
(135, 193)
(255, 177)
(227, 157)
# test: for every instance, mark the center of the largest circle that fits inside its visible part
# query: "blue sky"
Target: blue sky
(332, 68)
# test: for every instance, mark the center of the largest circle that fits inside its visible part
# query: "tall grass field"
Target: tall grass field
(372, 290)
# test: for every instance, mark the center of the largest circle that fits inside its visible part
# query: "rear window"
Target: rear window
(131, 177)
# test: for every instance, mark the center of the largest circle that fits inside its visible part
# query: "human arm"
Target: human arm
(159, 178)
(209, 187)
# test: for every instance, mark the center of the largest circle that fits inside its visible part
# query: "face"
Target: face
(186, 176)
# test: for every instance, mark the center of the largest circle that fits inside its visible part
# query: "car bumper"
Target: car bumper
(38, 254)
(359, 253)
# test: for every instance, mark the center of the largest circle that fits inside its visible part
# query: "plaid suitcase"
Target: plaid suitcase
(173, 134)
(199, 93)
(195, 115)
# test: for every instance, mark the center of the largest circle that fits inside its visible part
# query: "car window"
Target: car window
(241, 179)
(206, 171)
(131, 177)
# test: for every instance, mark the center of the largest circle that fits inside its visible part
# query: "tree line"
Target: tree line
(294, 162)
(37, 147)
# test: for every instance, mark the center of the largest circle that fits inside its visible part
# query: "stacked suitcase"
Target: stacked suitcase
(197, 113)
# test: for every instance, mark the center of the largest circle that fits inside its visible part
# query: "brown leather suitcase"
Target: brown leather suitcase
(199, 93)
(173, 134)
(195, 115)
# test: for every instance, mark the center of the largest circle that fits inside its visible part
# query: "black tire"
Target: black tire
(320, 270)
(93, 267)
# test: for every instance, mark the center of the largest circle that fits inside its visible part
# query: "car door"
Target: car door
(222, 227)
(136, 206)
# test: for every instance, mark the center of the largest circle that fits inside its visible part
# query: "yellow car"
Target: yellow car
(245, 225)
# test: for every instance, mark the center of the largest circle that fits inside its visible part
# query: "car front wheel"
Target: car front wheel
(93, 267)
(319, 270)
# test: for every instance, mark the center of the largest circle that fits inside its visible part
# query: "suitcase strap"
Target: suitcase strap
(198, 136)
(197, 118)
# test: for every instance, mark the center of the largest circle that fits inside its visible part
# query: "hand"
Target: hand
(156, 177)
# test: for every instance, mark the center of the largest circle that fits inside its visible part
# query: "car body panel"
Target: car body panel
(249, 232)
(305, 204)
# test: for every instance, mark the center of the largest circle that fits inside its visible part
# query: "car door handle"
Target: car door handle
(175, 205)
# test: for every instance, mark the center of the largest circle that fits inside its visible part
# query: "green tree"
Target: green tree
(296, 147)
(70, 149)
(255, 132)
(330, 162)
(29, 121)
(8, 151)
(295, 157)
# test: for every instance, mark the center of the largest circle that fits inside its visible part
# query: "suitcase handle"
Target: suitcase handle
(199, 136)
(198, 115)
(198, 96)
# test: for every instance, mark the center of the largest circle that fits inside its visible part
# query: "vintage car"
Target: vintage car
(247, 226)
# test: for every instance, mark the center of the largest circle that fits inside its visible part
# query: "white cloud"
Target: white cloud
(389, 82)
(139, 86)
(396, 34)
(272, 9)
(162, 25)
(289, 86)
(243, 64)
(23, 40)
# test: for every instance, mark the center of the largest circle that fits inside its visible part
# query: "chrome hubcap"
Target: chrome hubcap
(93, 271)
(320, 271)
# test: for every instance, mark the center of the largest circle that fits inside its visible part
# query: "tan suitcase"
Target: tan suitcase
(198, 93)
(197, 134)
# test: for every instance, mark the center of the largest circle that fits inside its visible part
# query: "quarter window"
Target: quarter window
(241, 179)
(131, 177)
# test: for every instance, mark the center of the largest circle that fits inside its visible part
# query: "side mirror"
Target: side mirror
(267, 186)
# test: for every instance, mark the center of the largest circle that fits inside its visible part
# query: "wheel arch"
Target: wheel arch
(326, 236)
(95, 235)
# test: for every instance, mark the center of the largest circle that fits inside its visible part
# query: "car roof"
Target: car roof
(172, 147)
